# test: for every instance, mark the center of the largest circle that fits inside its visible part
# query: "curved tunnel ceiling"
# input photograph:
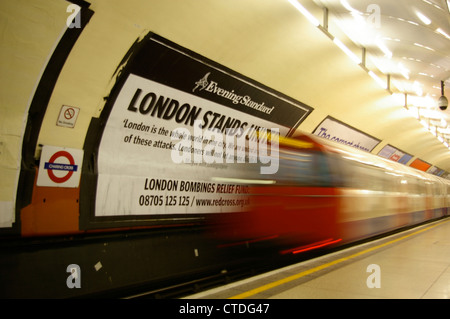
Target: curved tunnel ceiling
(270, 42)
(409, 41)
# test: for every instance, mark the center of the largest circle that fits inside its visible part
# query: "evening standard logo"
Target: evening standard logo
(202, 83)
(205, 84)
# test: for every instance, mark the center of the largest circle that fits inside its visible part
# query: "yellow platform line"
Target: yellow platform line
(315, 269)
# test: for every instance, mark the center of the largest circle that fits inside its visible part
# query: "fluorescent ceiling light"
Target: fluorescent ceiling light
(424, 102)
(399, 85)
(424, 124)
(443, 33)
(355, 13)
(347, 5)
(346, 50)
(426, 74)
(403, 70)
(384, 48)
(378, 80)
(414, 113)
(417, 88)
(305, 12)
(408, 87)
(423, 18)
(423, 46)
(430, 114)
(388, 66)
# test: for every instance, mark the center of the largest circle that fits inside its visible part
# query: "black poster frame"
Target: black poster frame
(158, 59)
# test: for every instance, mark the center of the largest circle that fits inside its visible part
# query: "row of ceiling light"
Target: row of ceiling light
(423, 108)
(358, 60)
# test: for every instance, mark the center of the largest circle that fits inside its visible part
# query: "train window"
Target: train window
(378, 180)
(354, 174)
(422, 188)
(436, 189)
(303, 168)
(441, 188)
(416, 187)
(342, 172)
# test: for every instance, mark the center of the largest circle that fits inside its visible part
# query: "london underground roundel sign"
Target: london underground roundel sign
(60, 167)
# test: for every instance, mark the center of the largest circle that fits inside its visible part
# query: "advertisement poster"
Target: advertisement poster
(436, 171)
(167, 147)
(420, 165)
(394, 154)
(339, 132)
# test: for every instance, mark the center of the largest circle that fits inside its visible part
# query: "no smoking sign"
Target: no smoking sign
(68, 116)
(60, 167)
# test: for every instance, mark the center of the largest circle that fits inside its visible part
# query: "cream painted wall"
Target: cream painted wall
(29, 32)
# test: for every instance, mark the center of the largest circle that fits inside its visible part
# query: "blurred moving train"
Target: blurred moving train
(323, 195)
(328, 194)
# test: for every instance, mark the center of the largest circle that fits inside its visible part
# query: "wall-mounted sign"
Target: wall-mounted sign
(394, 154)
(163, 93)
(60, 167)
(435, 171)
(68, 116)
(342, 133)
(420, 165)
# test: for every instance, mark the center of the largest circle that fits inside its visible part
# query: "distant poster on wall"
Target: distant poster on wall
(420, 165)
(342, 133)
(168, 100)
(394, 154)
(436, 171)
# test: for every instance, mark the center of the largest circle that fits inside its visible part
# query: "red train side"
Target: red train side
(328, 194)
